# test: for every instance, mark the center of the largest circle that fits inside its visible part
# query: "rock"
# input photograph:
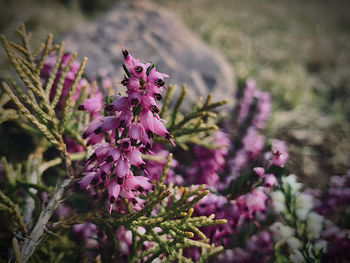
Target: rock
(153, 34)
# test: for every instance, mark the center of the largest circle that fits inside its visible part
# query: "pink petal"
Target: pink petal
(122, 168)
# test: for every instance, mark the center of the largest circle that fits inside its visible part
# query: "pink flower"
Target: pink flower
(279, 153)
(92, 105)
(270, 180)
(92, 128)
(128, 127)
(110, 123)
(119, 104)
(122, 167)
(259, 171)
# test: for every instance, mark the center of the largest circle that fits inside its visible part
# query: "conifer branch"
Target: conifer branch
(26, 37)
(59, 88)
(6, 114)
(167, 100)
(72, 90)
(13, 209)
(37, 109)
(30, 117)
(45, 53)
(176, 109)
(191, 127)
(54, 71)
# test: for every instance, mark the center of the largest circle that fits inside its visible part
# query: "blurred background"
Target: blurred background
(297, 50)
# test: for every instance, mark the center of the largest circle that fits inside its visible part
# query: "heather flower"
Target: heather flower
(130, 123)
(278, 155)
(264, 106)
(293, 243)
(333, 204)
(270, 180)
(209, 162)
(92, 105)
(247, 99)
(125, 240)
(253, 143)
(258, 248)
(337, 197)
(260, 171)
(222, 208)
(87, 234)
(304, 204)
(252, 203)
(302, 227)
(84, 231)
(291, 182)
(250, 116)
(262, 109)
(339, 241)
(278, 201)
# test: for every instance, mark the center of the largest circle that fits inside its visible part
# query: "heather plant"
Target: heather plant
(120, 173)
(158, 216)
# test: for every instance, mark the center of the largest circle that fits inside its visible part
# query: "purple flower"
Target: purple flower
(270, 180)
(129, 125)
(278, 155)
(209, 162)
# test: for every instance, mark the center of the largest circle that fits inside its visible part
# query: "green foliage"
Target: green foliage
(5, 113)
(191, 127)
(34, 104)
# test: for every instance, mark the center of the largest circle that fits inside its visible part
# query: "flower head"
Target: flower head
(129, 124)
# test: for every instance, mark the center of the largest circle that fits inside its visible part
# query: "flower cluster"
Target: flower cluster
(334, 205)
(249, 116)
(233, 152)
(302, 227)
(209, 162)
(129, 124)
(338, 195)
(249, 207)
(279, 154)
(93, 103)
(258, 248)
(254, 100)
